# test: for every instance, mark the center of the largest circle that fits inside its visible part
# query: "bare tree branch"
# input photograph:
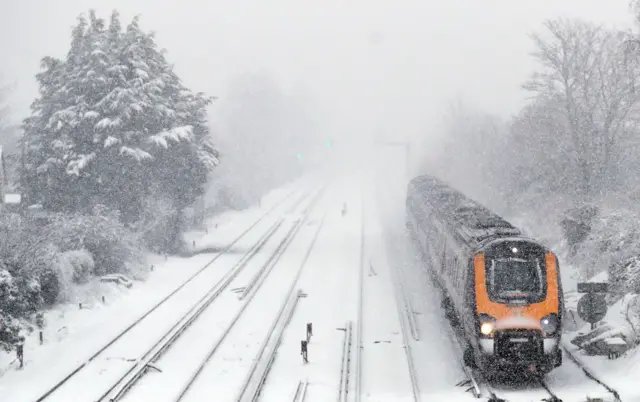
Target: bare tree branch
(586, 72)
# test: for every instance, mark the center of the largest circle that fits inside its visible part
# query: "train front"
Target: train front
(518, 300)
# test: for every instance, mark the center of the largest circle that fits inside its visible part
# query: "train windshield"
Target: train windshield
(515, 278)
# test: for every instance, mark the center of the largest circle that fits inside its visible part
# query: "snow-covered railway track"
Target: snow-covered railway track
(257, 375)
(345, 363)
(571, 383)
(384, 367)
(131, 377)
(99, 372)
(218, 372)
(300, 393)
(360, 318)
(590, 374)
(406, 318)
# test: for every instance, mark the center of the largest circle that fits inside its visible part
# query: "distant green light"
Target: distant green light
(329, 143)
(299, 156)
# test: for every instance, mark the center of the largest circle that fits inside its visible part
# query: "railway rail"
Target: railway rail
(252, 384)
(345, 362)
(300, 393)
(408, 327)
(359, 345)
(405, 315)
(132, 376)
(480, 387)
(257, 375)
(156, 308)
(590, 374)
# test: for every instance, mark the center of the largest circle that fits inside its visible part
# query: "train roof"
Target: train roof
(470, 219)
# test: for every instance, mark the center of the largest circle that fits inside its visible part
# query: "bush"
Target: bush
(9, 332)
(614, 237)
(110, 243)
(81, 264)
(41, 259)
(50, 284)
(624, 277)
(576, 224)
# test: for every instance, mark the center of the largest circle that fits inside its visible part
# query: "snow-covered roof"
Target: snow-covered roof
(467, 217)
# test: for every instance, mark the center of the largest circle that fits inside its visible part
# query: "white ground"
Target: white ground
(73, 335)
(225, 372)
(385, 373)
(181, 360)
(329, 277)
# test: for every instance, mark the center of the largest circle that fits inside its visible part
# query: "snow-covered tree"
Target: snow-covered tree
(113, 122)
(589, 86)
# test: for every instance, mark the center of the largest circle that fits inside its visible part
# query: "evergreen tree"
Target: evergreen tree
(114, 121)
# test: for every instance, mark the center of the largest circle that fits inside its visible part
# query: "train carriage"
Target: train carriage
(500, 288)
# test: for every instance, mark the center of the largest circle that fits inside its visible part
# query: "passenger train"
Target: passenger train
(501, 290)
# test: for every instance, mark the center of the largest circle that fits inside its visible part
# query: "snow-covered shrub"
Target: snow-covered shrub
(51, 283)
(614, 237)
(78, 264)
(8, 290)
(576, 224)
(102, 234)
(624, 277)
(9, 331)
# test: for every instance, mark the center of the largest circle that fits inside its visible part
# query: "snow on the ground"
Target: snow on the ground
(437, 366)
(621, 374)
(185, 355)
(72, 335)
(223, 375)
(385, 371)
(329, 279)
(435, 359)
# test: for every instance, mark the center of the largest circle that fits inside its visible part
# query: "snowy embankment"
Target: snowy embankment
(72, 331)
(598, 245)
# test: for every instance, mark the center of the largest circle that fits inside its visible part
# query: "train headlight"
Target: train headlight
(487, 324)
(550, 324)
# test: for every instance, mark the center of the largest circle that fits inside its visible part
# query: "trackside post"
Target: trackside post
(303, 351)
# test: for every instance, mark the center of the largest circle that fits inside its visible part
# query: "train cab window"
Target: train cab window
(511, 279)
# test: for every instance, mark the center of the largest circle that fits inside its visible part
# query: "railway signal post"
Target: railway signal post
(592, 307)
(303, 351)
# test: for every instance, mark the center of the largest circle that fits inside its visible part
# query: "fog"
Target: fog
(370, 68)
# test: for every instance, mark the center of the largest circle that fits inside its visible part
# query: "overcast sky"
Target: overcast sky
(389, 64)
